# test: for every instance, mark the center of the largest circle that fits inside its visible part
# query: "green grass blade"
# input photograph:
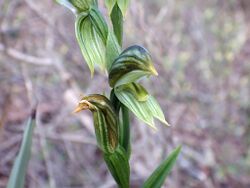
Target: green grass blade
(158, 177)
(18, 172)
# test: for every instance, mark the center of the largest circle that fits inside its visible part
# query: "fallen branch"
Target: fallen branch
(25, 57)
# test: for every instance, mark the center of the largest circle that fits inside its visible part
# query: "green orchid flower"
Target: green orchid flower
(106, 130)
(105, 121)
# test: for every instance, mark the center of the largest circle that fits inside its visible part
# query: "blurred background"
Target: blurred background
(201, 50)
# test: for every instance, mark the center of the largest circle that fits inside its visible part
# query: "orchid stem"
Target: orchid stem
(125, 130)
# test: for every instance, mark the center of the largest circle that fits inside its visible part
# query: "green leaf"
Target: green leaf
(68, 5)
(78, 6)
(91, 33)
(83, 5)
(145, 110)
(105, 121)
(18, 171)
(112, 49)
(110, 4)
(156, 180)
(132, 64)
(123, 4)
(118, 166)
(117, 21)
(99, 23)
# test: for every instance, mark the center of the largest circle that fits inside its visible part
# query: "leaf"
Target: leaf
(83, 5)
(99, 23)
(68, 5)
(132, 64)
(118, 165)
(112, 49)
(123, 4)
(18, 171)
(91, 33)
(158, 177)
(156, 110)
(78, 6)
(117, 21)
(145, 110)
(110, 4)
(105, 121)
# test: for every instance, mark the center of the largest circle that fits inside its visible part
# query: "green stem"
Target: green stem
(125, 130)
(115, 101)
(119, 164)
(124, 124)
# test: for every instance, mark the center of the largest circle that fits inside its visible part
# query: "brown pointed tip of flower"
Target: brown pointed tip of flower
(83, 105)
(153, 70)
(78, 109)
